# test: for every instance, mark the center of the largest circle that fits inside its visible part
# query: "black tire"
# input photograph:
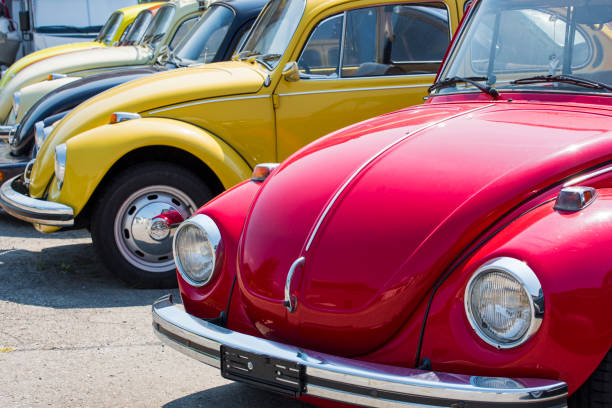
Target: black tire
(596, 392)
(109, 214)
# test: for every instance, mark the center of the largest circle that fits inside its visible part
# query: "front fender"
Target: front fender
(570, 254)
(90, 155)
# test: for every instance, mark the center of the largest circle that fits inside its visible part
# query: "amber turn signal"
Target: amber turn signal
(262, 171)
(119, 117)
(573, 199)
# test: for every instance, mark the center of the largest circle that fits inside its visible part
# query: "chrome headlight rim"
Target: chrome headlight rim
(16, 102)
(210, 229)
(60, 164)
(526, 277)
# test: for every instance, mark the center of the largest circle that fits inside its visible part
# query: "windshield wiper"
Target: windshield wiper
(568, 79)
(243, 55)
(263, 59)
(450, 82)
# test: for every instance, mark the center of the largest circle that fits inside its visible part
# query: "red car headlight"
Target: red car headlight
(197, 249)
(504, 302)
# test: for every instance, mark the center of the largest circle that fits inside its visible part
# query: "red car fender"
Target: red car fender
(229, 211)
(570, 254)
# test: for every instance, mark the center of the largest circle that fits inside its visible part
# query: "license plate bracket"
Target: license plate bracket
(273, 374)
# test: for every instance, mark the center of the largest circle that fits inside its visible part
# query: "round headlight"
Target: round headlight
(504, 302)
(197, 249)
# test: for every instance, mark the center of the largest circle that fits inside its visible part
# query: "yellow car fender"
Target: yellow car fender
(90, 155)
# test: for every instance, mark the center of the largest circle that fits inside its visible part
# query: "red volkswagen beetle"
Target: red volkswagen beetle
(454, 254)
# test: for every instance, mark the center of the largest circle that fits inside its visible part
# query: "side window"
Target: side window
(321, 56)
(183, 29)
(410, 39)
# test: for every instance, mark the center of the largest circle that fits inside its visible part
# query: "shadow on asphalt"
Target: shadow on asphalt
(12, 227)
(65, 276)
(235, 395)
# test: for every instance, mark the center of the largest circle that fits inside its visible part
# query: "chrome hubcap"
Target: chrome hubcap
(143, 240)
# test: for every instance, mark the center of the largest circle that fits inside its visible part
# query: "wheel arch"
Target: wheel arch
(169, 154)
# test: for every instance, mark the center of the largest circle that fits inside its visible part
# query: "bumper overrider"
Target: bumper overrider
(296, 372)
(14, 200)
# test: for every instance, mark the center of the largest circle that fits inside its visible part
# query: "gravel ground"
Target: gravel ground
(71, 335)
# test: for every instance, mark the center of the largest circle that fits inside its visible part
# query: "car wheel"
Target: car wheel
(596, 392)
(122, 226)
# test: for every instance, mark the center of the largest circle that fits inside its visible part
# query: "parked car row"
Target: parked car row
(447, 254)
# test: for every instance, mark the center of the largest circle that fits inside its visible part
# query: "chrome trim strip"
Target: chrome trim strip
(587, 176)
(378, 88)
(370, 160)
(344, 379)
(32, 210)
(185, 105)
(342, 45)
(520, 271)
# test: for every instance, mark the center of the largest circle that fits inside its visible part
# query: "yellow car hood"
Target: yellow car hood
(97, 58)
(142, 95)
(43, 54)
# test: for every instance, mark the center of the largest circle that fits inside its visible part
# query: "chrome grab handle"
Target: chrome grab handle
(291, 302)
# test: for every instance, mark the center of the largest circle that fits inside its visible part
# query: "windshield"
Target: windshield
(109, 30)
(138, 28)
(160, 25)
(273, 30)
(534, 45)
(202, 43)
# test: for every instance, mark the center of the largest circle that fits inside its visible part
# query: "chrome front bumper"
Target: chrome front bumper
(15, 201)
(340, 379)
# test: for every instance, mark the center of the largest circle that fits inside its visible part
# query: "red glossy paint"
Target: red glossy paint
(229, 211)
(366, 286)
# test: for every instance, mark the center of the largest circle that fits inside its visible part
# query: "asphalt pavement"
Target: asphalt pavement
(73, 335)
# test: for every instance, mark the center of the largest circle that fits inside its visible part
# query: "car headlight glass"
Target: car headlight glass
(197, 249)
(16, 101)
(60, 164)
(504, 302)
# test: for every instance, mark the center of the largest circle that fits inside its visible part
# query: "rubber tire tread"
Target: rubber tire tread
(596, 392)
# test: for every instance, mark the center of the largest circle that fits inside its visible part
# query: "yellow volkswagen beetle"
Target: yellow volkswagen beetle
(113, 30)
(133, 161)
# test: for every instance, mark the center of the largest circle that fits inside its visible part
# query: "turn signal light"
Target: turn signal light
(119, 117)
(53, 77)
(263, 171)
(573, 199)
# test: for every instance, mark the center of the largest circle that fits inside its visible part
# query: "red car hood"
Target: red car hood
(442, 174)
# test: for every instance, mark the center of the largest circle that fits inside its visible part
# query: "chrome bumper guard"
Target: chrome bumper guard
(15, 201)
(340, 379)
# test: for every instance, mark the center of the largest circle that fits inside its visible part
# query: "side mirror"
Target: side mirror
(291, 73)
